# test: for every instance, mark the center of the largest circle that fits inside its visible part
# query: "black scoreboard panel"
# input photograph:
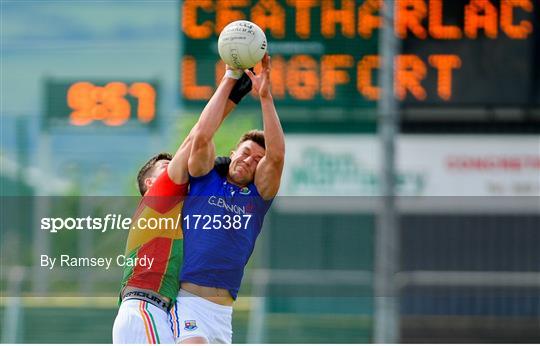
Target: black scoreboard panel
(455, 54)
(495, 47)
(103, 103)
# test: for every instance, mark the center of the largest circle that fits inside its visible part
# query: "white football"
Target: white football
(242, 44)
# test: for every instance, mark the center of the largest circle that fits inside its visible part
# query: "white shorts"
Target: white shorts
(139, 322)
(198, 317)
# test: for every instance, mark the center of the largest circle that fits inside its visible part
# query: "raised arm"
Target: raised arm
(270, 168)
(178, 167)
(217, 109)
(202, 154)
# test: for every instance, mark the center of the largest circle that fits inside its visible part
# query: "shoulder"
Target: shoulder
(164, 186)
(212, 175)
(205, 183)
(221, 168)
(263, 203)
(163, 195)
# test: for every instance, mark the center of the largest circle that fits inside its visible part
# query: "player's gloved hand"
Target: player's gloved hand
(241, 88)
(221, 164)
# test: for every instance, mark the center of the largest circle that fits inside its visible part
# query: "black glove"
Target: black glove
(221, 164)
(241, 88)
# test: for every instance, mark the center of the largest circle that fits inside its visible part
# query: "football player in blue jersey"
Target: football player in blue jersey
(223, 215)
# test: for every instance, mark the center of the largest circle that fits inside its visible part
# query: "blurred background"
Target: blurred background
(409, 209)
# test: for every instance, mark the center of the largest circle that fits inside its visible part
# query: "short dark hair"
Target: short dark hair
(147, 169)
(256, 136)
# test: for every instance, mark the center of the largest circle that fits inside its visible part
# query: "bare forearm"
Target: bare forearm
(273, 133)
(229, 107)
(216, 109)
(178, 168)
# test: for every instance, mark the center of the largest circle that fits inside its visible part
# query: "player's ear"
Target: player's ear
(148, 182)
(232, 154)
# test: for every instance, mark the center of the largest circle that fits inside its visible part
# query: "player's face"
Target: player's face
(159, 167)
(244, 161)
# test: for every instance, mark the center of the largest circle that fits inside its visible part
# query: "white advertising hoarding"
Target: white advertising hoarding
(427, 165)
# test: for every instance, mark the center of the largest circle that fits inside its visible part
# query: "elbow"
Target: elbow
(276, 156)
(200, 138)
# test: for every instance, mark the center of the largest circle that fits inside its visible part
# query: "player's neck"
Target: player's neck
(231, 181)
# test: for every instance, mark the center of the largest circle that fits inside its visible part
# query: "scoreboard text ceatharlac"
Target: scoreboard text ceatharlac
(326, 51)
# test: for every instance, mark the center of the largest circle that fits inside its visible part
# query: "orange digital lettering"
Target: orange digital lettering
(436, 27)
(190, 89)
(330, 16)
(444, 65)
(189, 19)
(480, 14)
(410, 71)
(331, 75)
(225, 12)
(303, 16)
(80, 101)
(99, 111)
(522, 30)
(302, 77)
(409, 16)
(117, 106)
(109, 103)
(269, 15)
(146, 97)
(367, 21)
(364, 76)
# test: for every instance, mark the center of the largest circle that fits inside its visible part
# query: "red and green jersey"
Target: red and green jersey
(163, 201)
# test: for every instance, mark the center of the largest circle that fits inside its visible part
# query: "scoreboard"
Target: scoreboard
(103, 103)
(486, 53)
(325, 52)
(314, 45)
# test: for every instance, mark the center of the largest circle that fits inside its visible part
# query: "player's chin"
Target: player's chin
(242, 176)
(237, 176)
(242, 172)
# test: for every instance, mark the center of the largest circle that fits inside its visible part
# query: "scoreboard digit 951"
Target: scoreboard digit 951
(114, 103)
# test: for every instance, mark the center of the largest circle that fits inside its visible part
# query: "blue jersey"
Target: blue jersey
(221, 222)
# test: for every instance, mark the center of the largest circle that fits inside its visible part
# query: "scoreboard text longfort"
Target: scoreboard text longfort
(325, 51)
